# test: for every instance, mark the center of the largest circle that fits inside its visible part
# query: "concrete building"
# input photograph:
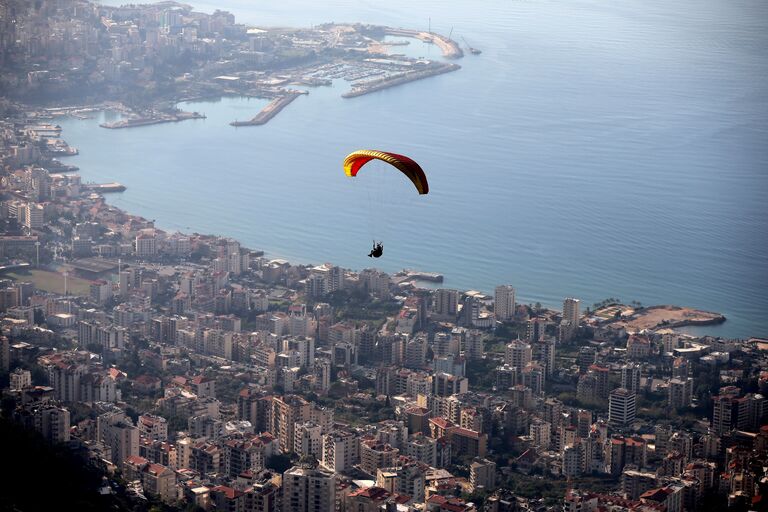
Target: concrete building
(680, 392)
(571, 313)
(445, 303)
(341, 451)
(504, 303)
(518, 354)
(286, 412)
(630, 377)
(53, 423)
(308, 439)
(153, 427)
(571, 316)
(122, 440)
(34, 216)
(307, 488)
(621, 407)
(722, 414)
(20, 379)
(146, 246)
(482, 474)
(100, 291)
(375, 454)
(572, 461)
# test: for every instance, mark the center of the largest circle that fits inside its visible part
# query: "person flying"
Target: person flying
(377, 251)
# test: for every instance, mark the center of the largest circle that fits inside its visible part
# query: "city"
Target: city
(188, 372)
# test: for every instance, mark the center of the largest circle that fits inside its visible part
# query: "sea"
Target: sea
(594, 149)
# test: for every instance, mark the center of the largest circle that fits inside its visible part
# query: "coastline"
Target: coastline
(434, 279)
(396, 72)
(663, 316)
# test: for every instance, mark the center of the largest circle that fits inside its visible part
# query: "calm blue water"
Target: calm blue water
(594, 149)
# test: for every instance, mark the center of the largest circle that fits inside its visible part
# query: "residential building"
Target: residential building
(504, 303)
(621, 407)
(307, 488)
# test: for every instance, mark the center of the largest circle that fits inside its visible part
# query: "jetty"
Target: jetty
(399, 79)
(146, 121)
(664, 316)
(449, 48)
(417, 275)
(271, 110)
(104, 187)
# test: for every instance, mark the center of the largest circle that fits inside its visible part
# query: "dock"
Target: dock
(449, 47)
(403, 78)
(104, 187)
(418, 275)
(146, 121)
(271, 110)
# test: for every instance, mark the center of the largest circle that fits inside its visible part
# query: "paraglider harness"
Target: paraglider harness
(377, 251)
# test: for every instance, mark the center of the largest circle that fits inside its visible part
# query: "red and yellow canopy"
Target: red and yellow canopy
(356, 160)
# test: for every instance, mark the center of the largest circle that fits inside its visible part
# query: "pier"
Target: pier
(449, 47)
(105, 187)
(418, 275)
(146, 121)
(404, 78)
(271, 110)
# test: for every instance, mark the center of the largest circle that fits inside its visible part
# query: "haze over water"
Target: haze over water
(594, 149)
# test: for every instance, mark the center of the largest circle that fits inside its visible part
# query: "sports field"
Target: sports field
(52, 281)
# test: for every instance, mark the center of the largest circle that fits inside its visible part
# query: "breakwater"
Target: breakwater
(154, 119)
(271, 110)
(399, 79)
(449, 47)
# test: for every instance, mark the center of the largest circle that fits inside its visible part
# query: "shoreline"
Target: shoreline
(662, 316)
(437, 278)
(419, 69)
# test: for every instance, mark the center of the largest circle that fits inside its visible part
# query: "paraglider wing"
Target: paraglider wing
(356, 160)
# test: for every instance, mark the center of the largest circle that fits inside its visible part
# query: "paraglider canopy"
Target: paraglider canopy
(411, 169)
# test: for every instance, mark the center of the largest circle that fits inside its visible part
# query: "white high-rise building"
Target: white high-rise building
(571, 311)
(53, 423)
(680, 392)
(621, 407)
(309, 489)
(122, 440)
(341, 451)
(504, 305)
(630, 377)
(308, 439)
(518, 354)
(570, 321)
(146, 246)
(34, 216)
